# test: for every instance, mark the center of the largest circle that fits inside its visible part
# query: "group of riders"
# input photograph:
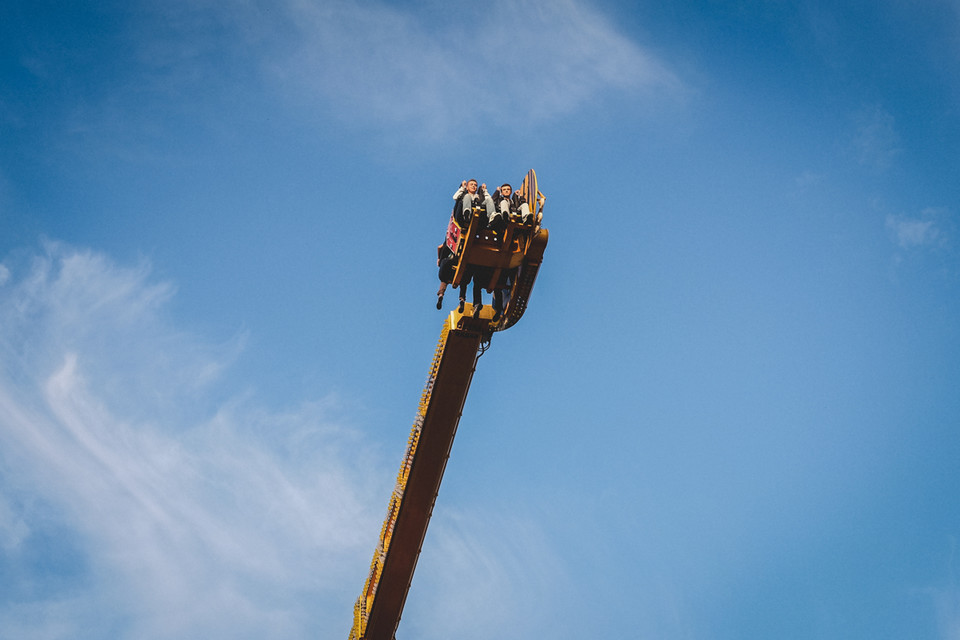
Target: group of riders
(494, 211)
(499, 207)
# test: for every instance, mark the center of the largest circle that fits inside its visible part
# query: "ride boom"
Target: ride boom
(511, 260)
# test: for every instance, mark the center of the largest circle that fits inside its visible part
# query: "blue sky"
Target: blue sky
(731, 410)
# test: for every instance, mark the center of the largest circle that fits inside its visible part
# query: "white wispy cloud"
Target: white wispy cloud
(910, 232)
(124, 515)
(13, 529)
(876, 142)
(452, 67)
(945, 598)
(491, 576)
(926, 229)
(947, 604)
(405, 71)
(239, 524)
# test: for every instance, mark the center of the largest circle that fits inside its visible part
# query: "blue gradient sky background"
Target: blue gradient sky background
(731, 410)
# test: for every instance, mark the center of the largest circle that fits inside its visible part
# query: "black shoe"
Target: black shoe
(439, 302)
(460, 308)
(476, 310)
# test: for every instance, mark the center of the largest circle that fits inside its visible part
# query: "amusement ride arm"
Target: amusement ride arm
(462, 340)
(378, 609)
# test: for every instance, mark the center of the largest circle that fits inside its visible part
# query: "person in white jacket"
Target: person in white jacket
(470, 195)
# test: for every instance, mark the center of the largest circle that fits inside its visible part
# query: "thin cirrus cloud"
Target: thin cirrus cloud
(911, 232)
(514, 63)
(932, 230)
(505, 563)
(417, 71)
(224, 525)
(876, 142)
(122, 515)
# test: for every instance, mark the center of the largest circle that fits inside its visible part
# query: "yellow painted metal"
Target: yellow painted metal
(411, 503)
(362, 607)
(377, 610)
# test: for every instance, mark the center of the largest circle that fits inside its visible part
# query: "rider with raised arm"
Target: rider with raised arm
(470, 195)
(513, 204)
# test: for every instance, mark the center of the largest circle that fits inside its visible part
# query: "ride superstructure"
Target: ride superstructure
(509, 259)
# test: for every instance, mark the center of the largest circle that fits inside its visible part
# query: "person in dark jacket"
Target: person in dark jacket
(513, 204)
(445, 262)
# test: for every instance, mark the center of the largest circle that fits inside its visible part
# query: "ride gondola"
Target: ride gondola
(507, 259)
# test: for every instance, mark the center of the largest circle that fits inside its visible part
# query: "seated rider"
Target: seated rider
(470, 195)
(504, 207)
(513, 203)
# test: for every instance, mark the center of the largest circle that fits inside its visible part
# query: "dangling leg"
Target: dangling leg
(443, 287)
(477, 295)
(463, 290)
(445, 275)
